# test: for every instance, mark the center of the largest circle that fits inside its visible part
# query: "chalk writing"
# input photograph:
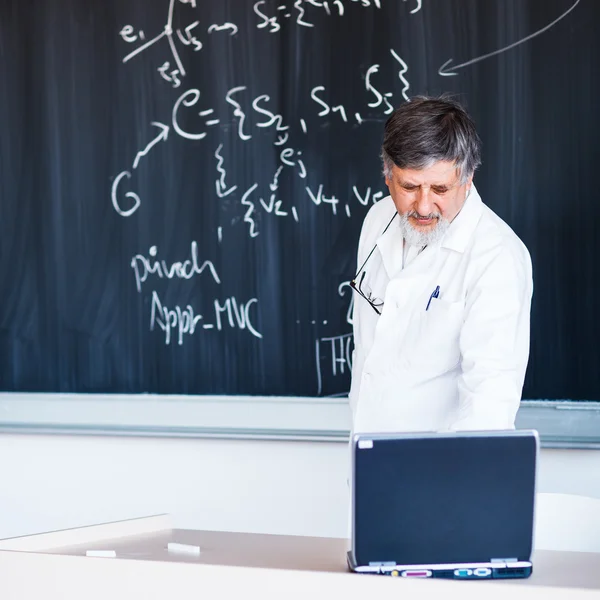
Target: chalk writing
(161, 137)
(283, 12)
(253, 232)
(447, 70)
(252, 117)
(238, 112)
(178, 322)
(314, 94)
(320, 198)
(187, 99)
(166, 33)
(233, 29)
(145, 266)
(237, 315)
(333, 356)
(364, 199)
(273, 119)
(271, 145)
(222, 189)
(401, 74)
(417, 8)
(189, 39)
(188, 36)
(124, 212)
(379, 97)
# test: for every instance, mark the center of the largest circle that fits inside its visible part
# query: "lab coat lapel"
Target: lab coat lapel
(404, 295)
(461, 230)
(408, 287)
(408, 284)
(391, 247)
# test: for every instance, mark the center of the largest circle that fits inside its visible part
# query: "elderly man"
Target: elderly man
(441, 327)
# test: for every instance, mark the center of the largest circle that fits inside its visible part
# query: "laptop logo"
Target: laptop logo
(365, 444)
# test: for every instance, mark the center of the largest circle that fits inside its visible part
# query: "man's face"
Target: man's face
(427, 199)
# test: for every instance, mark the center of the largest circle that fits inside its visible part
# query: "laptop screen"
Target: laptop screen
(444, 499)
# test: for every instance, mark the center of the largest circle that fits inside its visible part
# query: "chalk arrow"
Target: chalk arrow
(233, 27)
(448, 70)
(161, 137)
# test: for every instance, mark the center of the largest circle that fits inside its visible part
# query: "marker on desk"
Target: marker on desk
(101, 553)
(183, 549)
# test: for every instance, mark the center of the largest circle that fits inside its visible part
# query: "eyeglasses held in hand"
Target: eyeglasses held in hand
(358, 285)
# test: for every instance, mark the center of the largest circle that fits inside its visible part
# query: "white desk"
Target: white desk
(54, 565)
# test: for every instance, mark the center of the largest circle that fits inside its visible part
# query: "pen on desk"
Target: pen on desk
(434, 294)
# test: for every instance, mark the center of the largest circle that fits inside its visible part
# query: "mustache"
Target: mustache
(416, 215)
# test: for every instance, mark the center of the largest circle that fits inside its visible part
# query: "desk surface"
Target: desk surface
(550, 568)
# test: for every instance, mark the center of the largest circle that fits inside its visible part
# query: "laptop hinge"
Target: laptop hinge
(503, 562)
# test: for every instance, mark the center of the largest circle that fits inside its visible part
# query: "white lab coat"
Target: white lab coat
(461, 364)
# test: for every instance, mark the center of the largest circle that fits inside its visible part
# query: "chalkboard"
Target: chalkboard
(182, 182)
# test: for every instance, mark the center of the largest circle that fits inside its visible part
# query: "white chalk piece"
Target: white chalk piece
(183, 549)
(101, 553)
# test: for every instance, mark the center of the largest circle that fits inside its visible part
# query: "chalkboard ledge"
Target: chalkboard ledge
(238, 417)
(561, 423)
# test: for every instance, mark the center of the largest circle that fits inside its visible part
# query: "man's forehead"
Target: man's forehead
(441, 172)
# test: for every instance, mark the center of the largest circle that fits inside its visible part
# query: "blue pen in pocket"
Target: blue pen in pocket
(434, 294)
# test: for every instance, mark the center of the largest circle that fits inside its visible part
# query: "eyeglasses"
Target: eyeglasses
(359, 286)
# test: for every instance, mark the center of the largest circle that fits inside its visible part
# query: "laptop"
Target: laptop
(449, 505)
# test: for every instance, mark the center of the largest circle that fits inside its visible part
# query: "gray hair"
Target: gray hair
(429, 129)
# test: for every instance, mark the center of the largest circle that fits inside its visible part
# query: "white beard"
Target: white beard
(424, 237)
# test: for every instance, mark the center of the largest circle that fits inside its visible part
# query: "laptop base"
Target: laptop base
(517, 570)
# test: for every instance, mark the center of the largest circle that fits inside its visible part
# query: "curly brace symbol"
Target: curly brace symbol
(401, 75)
(417, 9)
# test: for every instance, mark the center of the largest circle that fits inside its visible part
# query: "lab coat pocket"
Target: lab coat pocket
(436, 343)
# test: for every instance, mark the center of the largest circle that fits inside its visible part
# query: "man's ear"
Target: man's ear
(389, 174)
(469, 183)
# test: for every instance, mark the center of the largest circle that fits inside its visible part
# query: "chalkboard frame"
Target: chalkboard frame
(561, 424)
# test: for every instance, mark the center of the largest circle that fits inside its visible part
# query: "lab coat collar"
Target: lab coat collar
(391, 243)
(391, 249)
(391, 246)
(461, 229)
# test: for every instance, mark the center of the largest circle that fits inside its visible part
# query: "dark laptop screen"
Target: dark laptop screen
(450, 499)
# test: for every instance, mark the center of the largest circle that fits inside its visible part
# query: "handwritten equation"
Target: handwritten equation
(250, 116)
(243, 118)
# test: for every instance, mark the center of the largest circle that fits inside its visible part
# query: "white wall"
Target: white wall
(55, 482)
